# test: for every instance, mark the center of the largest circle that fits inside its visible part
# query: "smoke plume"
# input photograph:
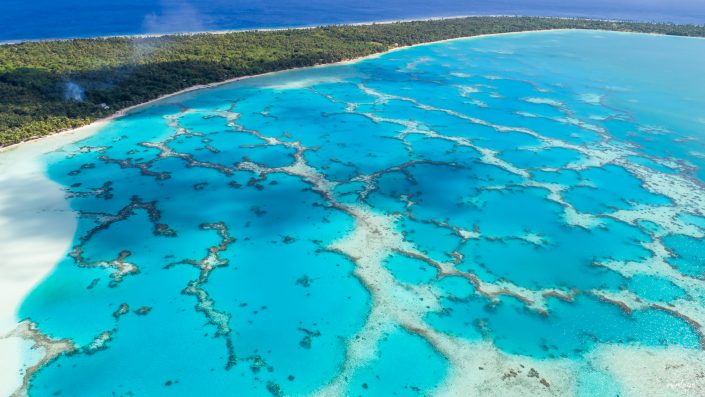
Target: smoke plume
(73, 92)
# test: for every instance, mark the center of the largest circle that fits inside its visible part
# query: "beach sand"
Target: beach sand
(36, 229)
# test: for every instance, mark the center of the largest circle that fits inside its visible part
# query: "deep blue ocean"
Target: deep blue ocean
(43, 19)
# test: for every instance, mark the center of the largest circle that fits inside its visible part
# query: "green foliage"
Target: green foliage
(123, 71)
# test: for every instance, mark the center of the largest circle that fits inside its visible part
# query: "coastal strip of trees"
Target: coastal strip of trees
(50, 86)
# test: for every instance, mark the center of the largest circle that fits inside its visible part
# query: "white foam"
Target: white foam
(297, 83)
(593, 99)
(544, 101)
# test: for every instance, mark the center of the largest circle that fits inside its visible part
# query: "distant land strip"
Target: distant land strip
(52, 86)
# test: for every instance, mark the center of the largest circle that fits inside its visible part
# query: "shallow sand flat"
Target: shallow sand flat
(31, 244)
(653, 371)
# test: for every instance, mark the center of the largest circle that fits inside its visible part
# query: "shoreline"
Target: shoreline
(37, 226)
(308, 27)
(117, 97)
(127, 110)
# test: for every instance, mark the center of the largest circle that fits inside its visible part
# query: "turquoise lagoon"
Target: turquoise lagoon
(485, 214)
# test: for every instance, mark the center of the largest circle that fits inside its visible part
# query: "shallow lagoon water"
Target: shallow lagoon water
(334, 230)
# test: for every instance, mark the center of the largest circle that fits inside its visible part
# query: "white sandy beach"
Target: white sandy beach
(36, 230)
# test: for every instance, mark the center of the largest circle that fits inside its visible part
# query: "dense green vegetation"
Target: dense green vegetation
(114, 73)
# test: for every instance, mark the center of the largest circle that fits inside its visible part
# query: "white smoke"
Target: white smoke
(73, 92)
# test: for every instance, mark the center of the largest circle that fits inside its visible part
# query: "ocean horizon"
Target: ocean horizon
(45, 19)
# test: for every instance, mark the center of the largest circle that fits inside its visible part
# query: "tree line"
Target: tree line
(50, 86)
